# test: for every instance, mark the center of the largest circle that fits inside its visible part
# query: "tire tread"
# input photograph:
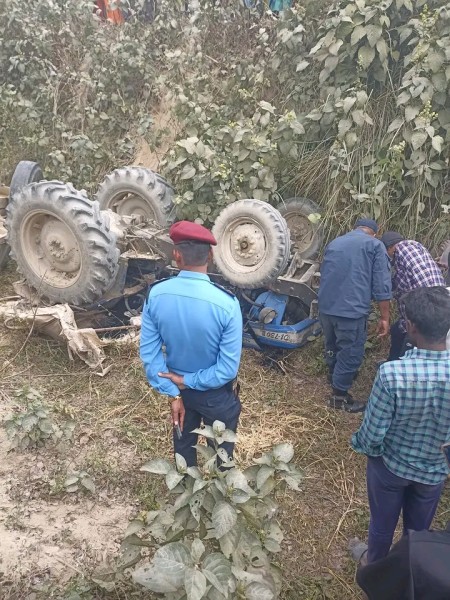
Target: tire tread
(92, 231)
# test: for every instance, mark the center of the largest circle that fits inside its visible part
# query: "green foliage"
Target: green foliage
(238, 144)
(77, 91)
(217, 537)
(399, 49)
(79, 481)
(34, 426)
(358, 118)
(239, 159)
(349, 107)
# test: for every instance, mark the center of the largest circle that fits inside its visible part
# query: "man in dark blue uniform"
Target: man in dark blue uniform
(355, 271)
(200, 325)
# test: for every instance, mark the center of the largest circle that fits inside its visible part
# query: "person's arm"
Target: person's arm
(383, 323)
(382, 287)
(227, 365)
(377, 420)
(152, 354)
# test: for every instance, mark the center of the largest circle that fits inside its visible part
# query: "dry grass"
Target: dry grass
(121, 423)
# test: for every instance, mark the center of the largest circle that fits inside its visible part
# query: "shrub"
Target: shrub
(348, 106)
(217, 538)
(79, 481)
(34, 425)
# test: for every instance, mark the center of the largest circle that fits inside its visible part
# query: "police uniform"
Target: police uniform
(355, 270)
(200, 326)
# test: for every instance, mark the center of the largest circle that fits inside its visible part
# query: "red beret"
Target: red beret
(185, 231)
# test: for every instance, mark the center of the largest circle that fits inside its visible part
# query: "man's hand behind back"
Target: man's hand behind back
(178, 380)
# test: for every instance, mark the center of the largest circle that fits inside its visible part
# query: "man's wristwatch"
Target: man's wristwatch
(173, 398)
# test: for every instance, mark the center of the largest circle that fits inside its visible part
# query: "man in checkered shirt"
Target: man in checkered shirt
(407, 421)
(413, 267)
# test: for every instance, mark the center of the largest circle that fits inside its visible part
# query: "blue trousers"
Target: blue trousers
(214, 405)
(388, 496)
(344, 348)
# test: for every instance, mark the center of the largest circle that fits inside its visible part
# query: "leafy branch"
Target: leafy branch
(216, 539)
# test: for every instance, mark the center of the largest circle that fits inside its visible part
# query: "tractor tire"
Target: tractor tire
(306, 236)
(62, 243)
(253, 244)
(135, 190)
(25, 173)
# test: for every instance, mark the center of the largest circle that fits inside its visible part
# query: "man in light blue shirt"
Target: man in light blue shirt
(200, 325)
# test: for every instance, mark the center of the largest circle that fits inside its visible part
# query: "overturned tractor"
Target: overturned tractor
(97, 254)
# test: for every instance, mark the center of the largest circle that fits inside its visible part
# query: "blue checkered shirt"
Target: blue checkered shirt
(408, 416)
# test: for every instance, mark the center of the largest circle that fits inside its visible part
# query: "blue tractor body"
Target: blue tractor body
(269, 321)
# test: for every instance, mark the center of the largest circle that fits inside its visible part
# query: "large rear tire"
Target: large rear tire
(253, 245)
(135, 190)
(62, 243)
(306, 235)
(25, 173)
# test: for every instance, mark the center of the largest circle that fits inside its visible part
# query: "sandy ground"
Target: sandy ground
(49, 535)
(51, 541)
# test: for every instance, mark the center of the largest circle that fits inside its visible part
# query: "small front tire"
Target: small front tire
(253, 245)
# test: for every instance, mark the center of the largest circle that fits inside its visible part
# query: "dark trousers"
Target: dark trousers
(388, 496)
(214, 405)
(344, 348)
(399, 342)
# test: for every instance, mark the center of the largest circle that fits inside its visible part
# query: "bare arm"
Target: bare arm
(383, 323)
(382, 287)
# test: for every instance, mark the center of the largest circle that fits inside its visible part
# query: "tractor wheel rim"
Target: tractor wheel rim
(301, 230)
(125, 204)
(244, 244)
(51, 249)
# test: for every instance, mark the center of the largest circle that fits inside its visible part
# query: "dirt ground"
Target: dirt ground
(165, 124)
(50, 540)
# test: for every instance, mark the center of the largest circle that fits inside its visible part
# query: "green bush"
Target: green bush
(218, 536)
(34, 425)
(76, 92)
(348, 106)
(359, 116)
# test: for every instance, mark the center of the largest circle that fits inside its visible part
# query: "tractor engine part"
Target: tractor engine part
(280, 321)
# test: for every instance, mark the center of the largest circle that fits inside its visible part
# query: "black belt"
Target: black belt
(231, 386)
